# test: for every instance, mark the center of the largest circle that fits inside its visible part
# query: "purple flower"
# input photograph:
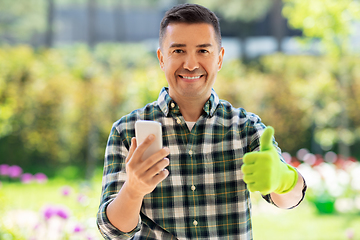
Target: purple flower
(14, 171)
(350, 233)
(66, 190)
(78, 228)
(82, 199)
(26, 178)
(63, 213)
(41, 178)
(89, 237)
(49, 211)
(4, 169)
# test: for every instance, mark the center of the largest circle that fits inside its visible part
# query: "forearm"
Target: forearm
(290, 199)
(124, 211)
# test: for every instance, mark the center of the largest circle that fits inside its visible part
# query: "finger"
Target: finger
(131, 150)
(160, 177)
(248, 168)
(249, 178)
(251, 187)
(250, 158)
(266, 139)
(143, 167)
(158, 167)
(155, 158)
(143, 146)
(162, 153)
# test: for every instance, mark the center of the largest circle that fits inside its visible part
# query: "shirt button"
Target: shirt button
(193, 188)
(195, 223)
(190, 152)
(172, 105)
(178, 121)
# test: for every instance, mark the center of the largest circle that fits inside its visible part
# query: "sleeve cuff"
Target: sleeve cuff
(269, 200)
(109, 231)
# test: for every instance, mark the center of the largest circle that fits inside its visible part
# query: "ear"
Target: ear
(161, 58)
(221, 58)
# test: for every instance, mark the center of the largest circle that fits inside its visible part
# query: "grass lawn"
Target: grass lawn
(22, 201)
(302, 223)
(23, 207)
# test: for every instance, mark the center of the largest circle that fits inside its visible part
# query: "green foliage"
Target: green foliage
(57, 105)
(297, 95)
(329, 20)
(332, 22)
(51, 100)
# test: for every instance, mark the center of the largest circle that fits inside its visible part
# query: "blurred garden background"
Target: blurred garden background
(69, 69)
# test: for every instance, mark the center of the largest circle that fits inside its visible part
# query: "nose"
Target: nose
(191, 63)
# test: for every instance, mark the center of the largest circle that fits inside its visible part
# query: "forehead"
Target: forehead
(185, 33)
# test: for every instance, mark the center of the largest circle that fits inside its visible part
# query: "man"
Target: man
(197, 186)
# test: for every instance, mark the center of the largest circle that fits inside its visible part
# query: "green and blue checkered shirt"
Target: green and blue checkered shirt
(204, 196)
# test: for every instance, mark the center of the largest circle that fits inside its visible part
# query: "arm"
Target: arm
(266, 173)
(125, 204)
(142, 178)
(120, 164)
(292, 198)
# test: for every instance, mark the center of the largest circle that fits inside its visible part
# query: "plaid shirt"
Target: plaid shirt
(204, 196)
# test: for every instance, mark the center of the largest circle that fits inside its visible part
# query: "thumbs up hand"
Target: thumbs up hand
(264, 171)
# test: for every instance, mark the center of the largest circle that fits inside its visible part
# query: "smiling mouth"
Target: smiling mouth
(191, 78)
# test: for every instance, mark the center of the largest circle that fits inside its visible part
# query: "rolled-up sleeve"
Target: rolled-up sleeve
(114, 176)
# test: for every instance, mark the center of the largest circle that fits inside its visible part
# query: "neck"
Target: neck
(191, 109)
(190, 112)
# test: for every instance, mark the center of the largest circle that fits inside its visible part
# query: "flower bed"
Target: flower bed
(34, 207)
(333, 182)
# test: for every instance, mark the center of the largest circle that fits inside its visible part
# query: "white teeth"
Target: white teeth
(191, 77)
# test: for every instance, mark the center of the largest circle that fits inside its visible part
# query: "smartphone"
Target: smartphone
(143, 129)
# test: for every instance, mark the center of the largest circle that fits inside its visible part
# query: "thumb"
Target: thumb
(266, 139)
(132, 149)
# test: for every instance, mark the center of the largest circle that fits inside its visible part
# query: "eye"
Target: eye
(203, 51)
(178, 51)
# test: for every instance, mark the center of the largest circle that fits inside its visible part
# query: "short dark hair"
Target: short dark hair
(190, 13)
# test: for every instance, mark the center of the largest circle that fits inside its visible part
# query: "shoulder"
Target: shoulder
(126, 124)
(247, 124)
(240, 114)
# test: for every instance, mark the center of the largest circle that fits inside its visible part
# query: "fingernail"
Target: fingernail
(151, 136)
(167, 149)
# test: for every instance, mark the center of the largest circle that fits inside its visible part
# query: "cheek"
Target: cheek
(172, 66)
(211, 67)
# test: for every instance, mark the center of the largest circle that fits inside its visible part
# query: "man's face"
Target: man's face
(190, 58)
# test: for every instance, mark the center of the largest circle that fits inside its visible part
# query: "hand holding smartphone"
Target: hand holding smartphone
(143, 129)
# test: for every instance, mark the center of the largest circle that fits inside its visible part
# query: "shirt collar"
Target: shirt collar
(166, 103)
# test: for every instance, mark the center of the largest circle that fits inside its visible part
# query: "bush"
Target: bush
(58, 105)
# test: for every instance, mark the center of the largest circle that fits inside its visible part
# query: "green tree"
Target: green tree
(330, 22)
(57, 105)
